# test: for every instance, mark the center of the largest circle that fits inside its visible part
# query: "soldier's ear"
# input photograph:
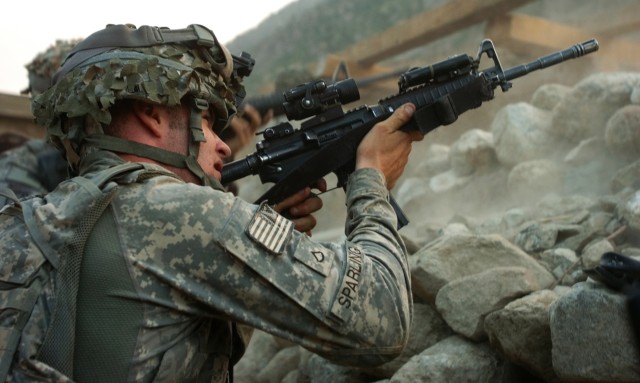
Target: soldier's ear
(154, 118)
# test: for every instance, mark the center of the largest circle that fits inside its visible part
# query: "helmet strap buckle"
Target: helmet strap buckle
(195, 119)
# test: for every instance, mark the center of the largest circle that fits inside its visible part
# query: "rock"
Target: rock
(560, 262)
(464, 302)
(587, 150)
(593, 252)
(629, 211)
(521, 133)
(592, 339)
(540, 237)
(547, 96)
(452, 360)
(451, 257)
(521, 332)
(584, 112)
(622, 131)
(626, 177)
(532, 180)
(473, 151)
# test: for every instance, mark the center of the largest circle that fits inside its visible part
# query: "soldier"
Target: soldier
(176, 271)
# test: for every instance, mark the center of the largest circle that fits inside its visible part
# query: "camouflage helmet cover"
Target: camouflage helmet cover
(158, 65)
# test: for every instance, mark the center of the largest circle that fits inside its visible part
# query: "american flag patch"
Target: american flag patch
(270, 229)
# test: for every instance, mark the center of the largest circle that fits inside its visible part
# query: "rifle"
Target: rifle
(327, 139)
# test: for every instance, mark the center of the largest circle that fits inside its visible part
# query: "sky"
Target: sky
(27, 29)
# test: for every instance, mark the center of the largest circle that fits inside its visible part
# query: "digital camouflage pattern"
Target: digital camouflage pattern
(188, 266)
(35, 167)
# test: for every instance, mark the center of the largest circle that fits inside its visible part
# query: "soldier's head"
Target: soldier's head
(123, 65)
(42, 68)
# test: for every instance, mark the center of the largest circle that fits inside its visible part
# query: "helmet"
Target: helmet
(157, 65)
(42, 68)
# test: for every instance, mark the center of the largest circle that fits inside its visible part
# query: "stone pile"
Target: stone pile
(504, 223)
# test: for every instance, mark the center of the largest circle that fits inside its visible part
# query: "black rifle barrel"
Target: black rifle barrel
(572, 52)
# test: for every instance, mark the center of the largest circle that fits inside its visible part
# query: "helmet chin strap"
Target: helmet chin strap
(197, 136)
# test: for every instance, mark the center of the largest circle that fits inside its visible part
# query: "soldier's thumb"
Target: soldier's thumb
(402, 115)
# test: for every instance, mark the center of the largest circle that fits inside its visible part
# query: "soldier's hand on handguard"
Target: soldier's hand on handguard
(301, 206)
(386, 147)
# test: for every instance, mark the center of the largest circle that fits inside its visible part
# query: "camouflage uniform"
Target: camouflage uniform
(175, 275)
(35, 167)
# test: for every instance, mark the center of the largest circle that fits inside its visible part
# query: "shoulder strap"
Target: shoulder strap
(58, 346)
(115, 171)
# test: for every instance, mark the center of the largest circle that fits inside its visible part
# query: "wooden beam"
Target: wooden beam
(523, 34)
(15, 116)
(426, 27)
(15, 106)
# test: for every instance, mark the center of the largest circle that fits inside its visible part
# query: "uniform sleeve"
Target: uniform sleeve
(350, 302)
